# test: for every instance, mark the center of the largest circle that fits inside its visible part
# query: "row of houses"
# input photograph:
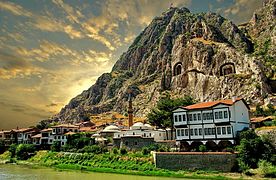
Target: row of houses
(42, 137)
(213, 122)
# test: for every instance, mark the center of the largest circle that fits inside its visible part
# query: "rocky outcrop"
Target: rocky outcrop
(203, 55)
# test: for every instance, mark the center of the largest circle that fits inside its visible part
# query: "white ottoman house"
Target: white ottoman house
(213, 123)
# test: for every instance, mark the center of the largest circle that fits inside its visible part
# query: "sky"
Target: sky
(52, 50)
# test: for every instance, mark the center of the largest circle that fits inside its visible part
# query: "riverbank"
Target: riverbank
(132, 163)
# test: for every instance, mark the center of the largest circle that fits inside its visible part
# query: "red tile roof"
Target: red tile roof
(210, 104)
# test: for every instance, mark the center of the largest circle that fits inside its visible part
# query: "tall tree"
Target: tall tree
(161, 115)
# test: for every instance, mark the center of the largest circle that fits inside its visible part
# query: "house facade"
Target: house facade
(140, 135)
(214, 122)
(59, 132)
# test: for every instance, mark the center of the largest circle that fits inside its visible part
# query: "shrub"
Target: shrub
(56, 146)
(12, 149)
(252, 149)
(2, 147)
(202, 148)
(267, 169)
(25, 151)
(115, 151)
(145, 151)
(123, 151)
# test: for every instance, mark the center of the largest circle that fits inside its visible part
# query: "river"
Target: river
(17, 172)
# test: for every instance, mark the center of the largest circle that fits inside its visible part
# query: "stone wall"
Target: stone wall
(217, 161)
(132, 142)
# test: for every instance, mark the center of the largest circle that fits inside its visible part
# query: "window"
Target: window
(219, 130)
(133, 133)
(190, 117)
(182, 132)
(175, 118)
(207, 116)
(178, 132)
(191, 132)
(179, 118)
(200, 131)
(223, 130)
(126, 143)
(186, 132)
(209, 131)
(194, 117)
(135, 143)
(204, 116)
(159, 134)
(216, 115)
(229, 114)
(51, 141)
(225, 114)
(213, 131)
(205, 131)
(211, 116)
(220, 114)
(184, 117)
(228, 130)
(62, 143)
(58, 137)
(195, 132)
(199, 116)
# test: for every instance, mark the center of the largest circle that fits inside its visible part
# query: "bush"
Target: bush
(56, 146)
(12, 150)
(93, 149)
(145, 151)
(115, 151)
(202, 148)
(267, 169)
(25, 151)
(252, 149)
(123, 151)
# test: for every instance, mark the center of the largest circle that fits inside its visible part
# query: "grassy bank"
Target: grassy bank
(134, 163)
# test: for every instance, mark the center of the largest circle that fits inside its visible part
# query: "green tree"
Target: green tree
(259, 111)
(12, 149)
(161, 115)
(24, 151)
(252, 149)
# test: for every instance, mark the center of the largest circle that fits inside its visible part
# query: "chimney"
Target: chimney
(130, 110)
(234, 98)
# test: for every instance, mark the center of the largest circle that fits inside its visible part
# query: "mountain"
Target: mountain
(202, 55)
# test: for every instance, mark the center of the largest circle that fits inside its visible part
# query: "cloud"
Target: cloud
(91, 29)
(241, 10)
(24, 109)
(42, 22)
(15, 9)
(72, 14)
(52, 105)
(12, 66)
(46, 51)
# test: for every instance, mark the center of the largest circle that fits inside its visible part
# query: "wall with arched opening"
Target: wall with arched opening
(227, 68)
(177, 69)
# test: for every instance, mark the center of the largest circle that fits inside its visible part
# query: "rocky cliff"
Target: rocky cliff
(203, 55)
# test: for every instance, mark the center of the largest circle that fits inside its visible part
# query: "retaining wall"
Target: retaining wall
(216, 161)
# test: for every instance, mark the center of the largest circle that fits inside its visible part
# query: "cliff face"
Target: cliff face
(203, 55)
